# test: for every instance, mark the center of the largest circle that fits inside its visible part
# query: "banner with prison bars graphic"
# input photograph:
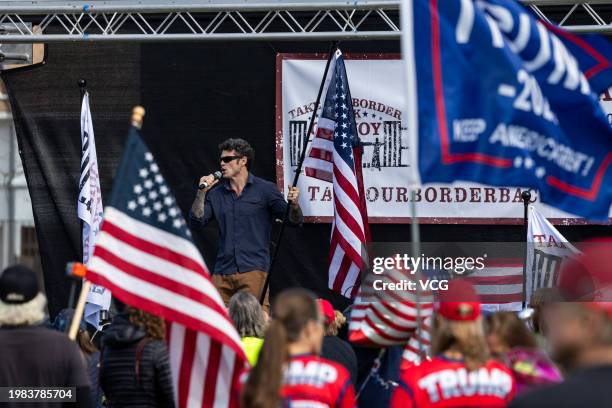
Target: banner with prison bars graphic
(376, 88)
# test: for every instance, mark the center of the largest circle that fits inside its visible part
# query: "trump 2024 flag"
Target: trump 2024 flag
(498, 97)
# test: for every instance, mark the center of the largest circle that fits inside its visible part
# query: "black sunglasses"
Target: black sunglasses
(227, 159)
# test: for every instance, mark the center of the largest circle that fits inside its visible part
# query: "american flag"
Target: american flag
(387, 317)
(499, 285)
(381, 318)
(335, 157)
(145, 255)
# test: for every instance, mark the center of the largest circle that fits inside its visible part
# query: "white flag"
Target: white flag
(90, 210)
(546, 250)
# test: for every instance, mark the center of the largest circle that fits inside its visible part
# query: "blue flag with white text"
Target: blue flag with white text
(506, 100)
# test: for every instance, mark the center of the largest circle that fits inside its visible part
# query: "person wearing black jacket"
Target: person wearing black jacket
(32, 355)
(134, 363)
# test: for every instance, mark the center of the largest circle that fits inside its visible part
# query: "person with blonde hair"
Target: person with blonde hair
(289, 371)
(460, 374)
(334, 348)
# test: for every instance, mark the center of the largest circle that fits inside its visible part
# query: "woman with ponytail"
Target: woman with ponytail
(460, 374)
(289, 370)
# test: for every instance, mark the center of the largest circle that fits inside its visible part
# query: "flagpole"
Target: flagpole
(83, 87)
(82, 83)
(374, 370)
(86, 285)
(78, 311)
(411, 109)
(526, 196)
(138, 113)
(332, 50)
(415, 232)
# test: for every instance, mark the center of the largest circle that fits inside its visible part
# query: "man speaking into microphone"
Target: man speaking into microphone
(245, 207)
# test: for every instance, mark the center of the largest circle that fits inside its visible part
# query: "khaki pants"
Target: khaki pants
(252, 281)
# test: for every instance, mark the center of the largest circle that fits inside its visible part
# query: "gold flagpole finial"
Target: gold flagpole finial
(138, 113)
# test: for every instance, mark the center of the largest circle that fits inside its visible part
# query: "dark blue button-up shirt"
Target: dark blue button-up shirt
(244, 223)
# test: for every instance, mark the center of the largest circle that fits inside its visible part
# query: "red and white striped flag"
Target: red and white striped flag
(145, 255)
(382, 318)
(499, 285)
(335, 156)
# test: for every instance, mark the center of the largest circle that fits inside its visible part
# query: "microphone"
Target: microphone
(217, 175)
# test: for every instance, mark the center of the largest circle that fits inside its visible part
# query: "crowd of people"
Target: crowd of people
(297, 356)
(297, 348)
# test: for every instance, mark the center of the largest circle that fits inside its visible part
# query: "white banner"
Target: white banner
(546, 250)
(90, 210)
(376, 88)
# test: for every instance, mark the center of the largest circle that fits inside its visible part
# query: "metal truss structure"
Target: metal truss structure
(224, 20)
(587, 16)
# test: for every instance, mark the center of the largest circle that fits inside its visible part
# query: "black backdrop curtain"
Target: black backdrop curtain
(46, 106)
(196, 95)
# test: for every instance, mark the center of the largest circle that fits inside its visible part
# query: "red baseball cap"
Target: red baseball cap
(327, 310)
(459, 302)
